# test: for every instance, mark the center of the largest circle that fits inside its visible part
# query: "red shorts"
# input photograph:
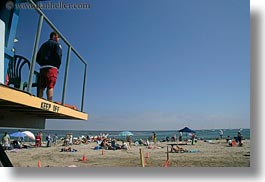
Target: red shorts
(48, 77)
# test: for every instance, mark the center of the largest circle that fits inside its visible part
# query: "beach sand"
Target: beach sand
(205, 154)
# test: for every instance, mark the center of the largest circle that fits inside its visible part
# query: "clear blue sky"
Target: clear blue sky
(153, 64)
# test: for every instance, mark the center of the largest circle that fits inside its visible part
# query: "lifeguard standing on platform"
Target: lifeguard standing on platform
(49, 58)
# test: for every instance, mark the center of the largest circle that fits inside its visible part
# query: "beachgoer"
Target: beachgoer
(55, 138)
(49, 58)
(38, 140)
(16, 144)
(49, 140)
(141, 141)
(6, 141)
(239, 137)
(104, 144)
(221, 133)
(174, 138)
(41, 136)
(145, 142)
(129, 139)
(230, 142)
(66, 149)
(71, 139)
(124, 145)
(20, 139)
(88, 138)
(178, 149)
(180, 136)
(228, 138)
(114, 145)
(192, 139)
(154, 137)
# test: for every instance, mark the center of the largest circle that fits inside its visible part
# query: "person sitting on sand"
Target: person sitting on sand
(141, 142)
(124, 145)
(114, 145)
(104, 144)
(178, 149)
(16, 144)
(228, 138)
(146, 143)
(68, 149)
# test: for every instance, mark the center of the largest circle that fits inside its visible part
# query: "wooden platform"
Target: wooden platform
(21, 109)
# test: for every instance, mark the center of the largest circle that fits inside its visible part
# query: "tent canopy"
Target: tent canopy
(186, 129)
(18, 134)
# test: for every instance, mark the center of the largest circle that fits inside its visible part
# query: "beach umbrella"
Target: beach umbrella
(29, 134)
(18, 134)
(125, 133)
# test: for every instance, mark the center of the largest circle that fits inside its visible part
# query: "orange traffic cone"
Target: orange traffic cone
(84, 157)
(39, 164)
(102, 152)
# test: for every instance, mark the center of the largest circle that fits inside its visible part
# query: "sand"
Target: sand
(205, 154)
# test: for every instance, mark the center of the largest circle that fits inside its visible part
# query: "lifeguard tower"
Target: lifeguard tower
(19, 107)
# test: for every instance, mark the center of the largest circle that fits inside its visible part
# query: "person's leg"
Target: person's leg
(52, 77)
(41, 90)
(49, 94)
(42, 83)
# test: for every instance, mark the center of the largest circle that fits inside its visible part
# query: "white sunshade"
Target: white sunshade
(29, 134)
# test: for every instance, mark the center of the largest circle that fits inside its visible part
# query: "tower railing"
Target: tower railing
(43, 17)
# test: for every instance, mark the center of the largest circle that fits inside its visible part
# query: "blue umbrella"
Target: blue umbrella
(18, 134)
(125, 133)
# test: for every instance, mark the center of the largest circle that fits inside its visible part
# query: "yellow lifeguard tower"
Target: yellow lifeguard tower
(19, 108)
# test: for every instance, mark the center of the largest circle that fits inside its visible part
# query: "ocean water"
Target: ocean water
(161, 135)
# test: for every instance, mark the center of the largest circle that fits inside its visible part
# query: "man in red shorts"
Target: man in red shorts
(49, 58)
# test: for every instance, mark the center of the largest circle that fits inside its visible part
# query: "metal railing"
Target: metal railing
(42, 17)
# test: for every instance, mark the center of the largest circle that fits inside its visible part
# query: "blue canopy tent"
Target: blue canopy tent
(187, 130)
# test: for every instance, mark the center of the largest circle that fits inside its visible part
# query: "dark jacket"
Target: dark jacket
(50, 54)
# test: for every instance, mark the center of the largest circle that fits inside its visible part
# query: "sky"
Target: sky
(152, 64)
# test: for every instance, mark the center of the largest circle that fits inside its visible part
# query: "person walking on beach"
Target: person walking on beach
(49, 58)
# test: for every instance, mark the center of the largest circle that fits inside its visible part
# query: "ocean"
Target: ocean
(161, 134)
